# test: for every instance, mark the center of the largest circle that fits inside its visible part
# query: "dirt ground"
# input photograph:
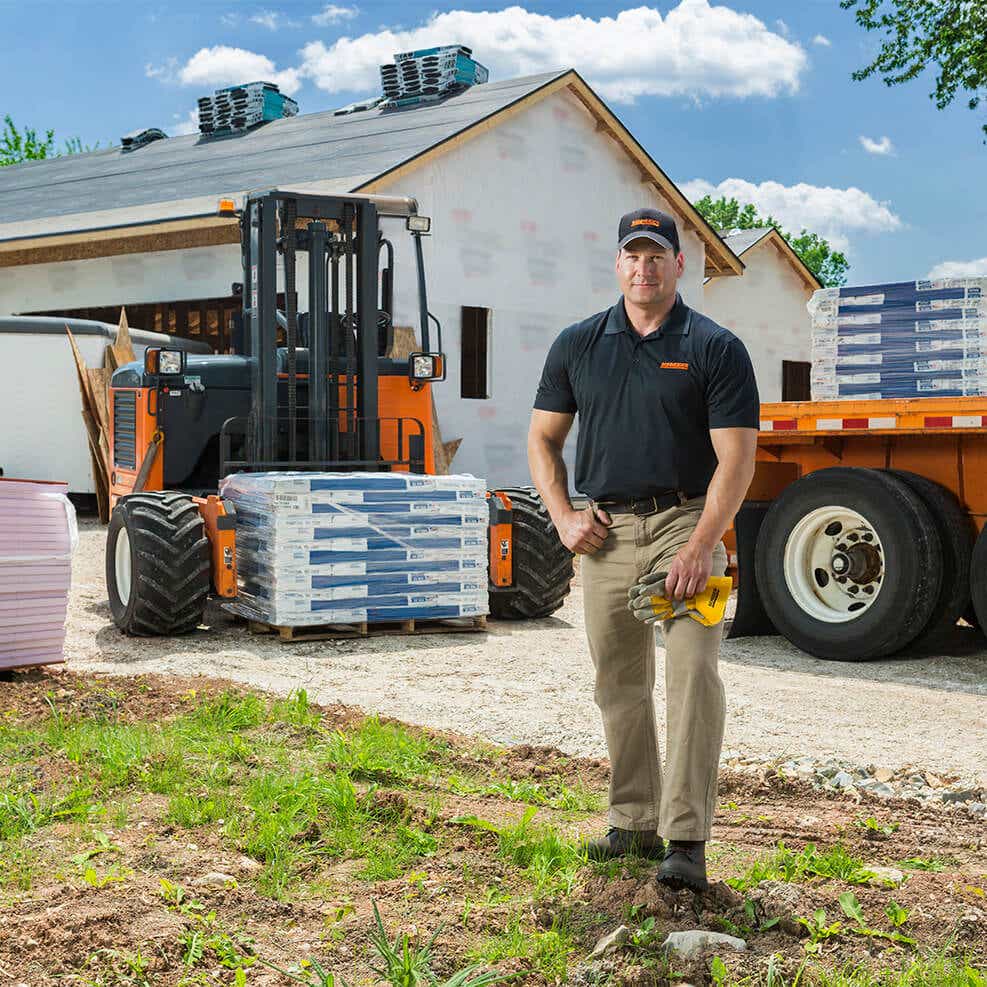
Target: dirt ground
(63, 929)
(532, 683)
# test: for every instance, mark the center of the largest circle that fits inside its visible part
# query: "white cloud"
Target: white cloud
(224, 66)
(959, 269)
(822, 41)
(267, 18)
(783, 27)
(166, 73)
(272, 20)
(333, 14)
(883, 146)
(186, 125)
(833, 213)
(705, 51)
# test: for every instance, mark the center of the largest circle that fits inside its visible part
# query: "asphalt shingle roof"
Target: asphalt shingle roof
(315, 147)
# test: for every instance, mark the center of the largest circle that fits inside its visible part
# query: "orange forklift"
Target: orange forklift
(312, 390)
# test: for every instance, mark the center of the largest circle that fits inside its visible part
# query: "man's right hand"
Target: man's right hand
(584, 532)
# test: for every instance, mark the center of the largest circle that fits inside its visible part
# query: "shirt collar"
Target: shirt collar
(677, 323)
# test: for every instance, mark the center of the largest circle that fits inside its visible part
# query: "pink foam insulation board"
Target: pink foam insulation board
(37, 538)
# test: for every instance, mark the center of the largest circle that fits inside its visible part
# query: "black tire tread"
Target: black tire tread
(542, 564)
(171, 579)
(956, 536)
(892, 635)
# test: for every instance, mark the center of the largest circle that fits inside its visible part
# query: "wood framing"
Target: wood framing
(173, 235)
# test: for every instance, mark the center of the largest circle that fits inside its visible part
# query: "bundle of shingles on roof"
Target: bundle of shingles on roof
(37, 537)
(430, 74)
(242, 107)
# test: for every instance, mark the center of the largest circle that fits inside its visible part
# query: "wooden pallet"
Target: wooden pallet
(323, 632)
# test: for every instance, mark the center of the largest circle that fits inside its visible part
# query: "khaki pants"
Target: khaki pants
(680, 801)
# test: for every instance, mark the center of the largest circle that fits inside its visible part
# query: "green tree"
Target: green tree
(827, 264)
(950, 34)
(25, 145)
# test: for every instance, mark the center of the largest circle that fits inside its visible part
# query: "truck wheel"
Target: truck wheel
(157, 564)
(849, 564)
(978, 581)
(542, 564)
(956, 536)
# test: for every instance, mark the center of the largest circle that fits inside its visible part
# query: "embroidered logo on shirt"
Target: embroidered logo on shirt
(668, 365)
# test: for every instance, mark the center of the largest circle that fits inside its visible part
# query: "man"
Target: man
(668, 417)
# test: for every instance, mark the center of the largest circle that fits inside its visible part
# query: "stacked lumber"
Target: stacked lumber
(94, 389)
(37, 536)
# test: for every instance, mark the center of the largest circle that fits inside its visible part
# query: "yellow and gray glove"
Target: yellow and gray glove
(648, 602)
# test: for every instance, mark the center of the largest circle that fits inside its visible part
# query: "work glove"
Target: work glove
(648, 602)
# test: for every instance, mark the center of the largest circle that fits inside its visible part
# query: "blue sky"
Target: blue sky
(752, 97)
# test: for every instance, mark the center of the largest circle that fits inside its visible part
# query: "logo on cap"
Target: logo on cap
(646, 222)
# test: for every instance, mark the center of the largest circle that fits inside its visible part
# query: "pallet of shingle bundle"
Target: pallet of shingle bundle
(37, 538)
(911, 339)
(359, 548)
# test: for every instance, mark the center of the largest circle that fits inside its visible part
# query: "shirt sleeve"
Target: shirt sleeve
(555, 387)
(731, 389)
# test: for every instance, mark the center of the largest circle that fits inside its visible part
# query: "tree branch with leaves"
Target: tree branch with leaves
(949, 34)
(18, 145)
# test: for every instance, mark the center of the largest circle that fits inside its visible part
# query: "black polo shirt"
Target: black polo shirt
(646, 405)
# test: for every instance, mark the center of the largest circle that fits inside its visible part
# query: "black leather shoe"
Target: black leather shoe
(684, 866)
(626, 842)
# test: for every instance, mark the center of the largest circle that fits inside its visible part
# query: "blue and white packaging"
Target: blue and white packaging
(898, 340)
(326, 548)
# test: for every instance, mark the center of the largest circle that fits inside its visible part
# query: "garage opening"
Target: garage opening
(205, 319)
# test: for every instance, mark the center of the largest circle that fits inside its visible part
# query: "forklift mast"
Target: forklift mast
(314, 403)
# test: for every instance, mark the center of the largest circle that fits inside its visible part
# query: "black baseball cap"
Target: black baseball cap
(652, 224)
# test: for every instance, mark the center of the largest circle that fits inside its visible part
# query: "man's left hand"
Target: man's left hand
(689, 572)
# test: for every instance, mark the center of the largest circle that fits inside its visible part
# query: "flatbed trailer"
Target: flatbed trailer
(862, 533)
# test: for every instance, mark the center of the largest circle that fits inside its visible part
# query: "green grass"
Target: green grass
(937, 970)
(787, 865)
(546, 950)
(545, 857)
(553, 793)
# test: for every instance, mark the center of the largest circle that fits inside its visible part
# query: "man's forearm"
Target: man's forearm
(550, 477)
(725, 494)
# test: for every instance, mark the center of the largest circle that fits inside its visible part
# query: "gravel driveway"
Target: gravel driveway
(532, 682)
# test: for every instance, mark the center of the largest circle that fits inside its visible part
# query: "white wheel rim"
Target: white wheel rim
(834, 564)
(123, 566)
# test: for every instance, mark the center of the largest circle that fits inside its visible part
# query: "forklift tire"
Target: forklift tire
(157, 565)
(956, 535)
(542, 564)
(849, 564)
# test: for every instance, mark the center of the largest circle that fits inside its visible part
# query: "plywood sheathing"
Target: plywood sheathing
(94, 391)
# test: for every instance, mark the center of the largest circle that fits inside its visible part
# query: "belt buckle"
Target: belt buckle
(652, 506)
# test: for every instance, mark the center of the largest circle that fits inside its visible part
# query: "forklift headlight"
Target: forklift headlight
(170, 362)
(159, 361)
(419, 224)
(425, 366)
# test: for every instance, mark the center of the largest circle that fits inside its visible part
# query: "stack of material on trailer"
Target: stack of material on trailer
(242, 107)
(333, 548)
(905, 340)
(37, 537)
(429, 74)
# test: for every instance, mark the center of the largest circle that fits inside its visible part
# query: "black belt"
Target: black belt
(646, 505)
